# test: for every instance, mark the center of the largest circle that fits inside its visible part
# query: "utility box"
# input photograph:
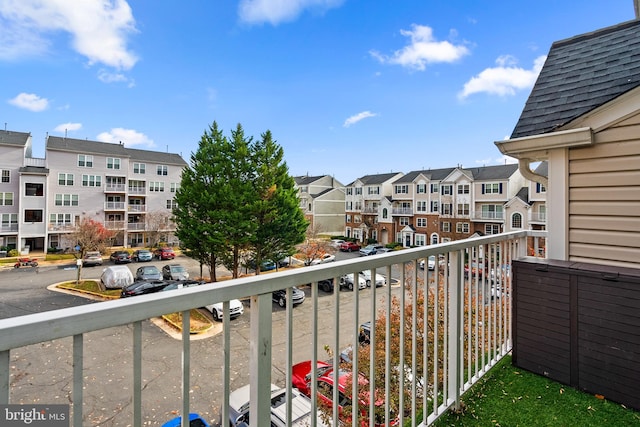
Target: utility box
(579, 324)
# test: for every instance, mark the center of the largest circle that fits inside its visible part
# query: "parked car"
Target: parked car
(346, 281)
(371, 250)
(164, 253)
(143, 287)
(322, 259)
(174, 272)
(195, 420)
(179, 284)
(380, 280)
(349, 247)
(327, 381)
(148, 272)
(336, 243)
(116, 277)
(431, 263)
(120, 257)
(326, 284)
(142, 255)
(236, 308)
(364, 333)
(280, 296)
(92, 258)
(300, 408)
(266, 265)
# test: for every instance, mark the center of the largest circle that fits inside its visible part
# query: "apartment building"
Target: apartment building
(322, 202)
(130, 191)
(432, 206)
(367, 207)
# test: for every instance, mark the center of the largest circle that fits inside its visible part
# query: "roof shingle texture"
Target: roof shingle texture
(580, 74)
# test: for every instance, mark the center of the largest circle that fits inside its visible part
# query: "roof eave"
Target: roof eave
(537, 147)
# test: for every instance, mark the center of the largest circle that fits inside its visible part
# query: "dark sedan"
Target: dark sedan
(120, 257)
(143, 287)
(280, 296)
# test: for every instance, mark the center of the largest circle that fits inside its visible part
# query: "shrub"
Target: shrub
(13, 253)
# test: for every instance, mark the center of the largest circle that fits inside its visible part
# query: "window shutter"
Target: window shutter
(500, 188)
(482, 188)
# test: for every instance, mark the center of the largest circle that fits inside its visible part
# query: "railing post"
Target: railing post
(454, 296)
(260, 360)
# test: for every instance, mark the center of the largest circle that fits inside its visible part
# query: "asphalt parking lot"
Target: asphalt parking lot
(44, 370)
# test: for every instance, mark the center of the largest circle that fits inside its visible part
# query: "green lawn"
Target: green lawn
(509, 396)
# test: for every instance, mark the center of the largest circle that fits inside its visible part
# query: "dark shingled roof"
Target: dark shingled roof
(432, 174)
(542, 169)
(110, 149)
(523, 194)
(487, 173)
(306, 180)
(580, 74)
(376, 179)
(13, 138)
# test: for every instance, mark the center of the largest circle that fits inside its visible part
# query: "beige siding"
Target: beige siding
(604, 197)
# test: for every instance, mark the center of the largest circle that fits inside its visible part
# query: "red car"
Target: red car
(164, 253)
(349, 247)
(301, 379)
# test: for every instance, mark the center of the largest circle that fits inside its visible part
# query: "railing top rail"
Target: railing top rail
(33, 328)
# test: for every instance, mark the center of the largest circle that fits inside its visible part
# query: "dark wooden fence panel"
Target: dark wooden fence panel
(579, 324)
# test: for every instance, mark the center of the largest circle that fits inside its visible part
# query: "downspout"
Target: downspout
(525, 170)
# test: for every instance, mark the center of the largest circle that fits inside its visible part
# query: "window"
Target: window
(66, 200)
(463, 189)
(446, 190)
(373, 190)
(435, 188)
(542, 213)
(304, 189)
(421, 206)
(91, 180)
(434, 206)
(33, 215)
(348, 218)
(495, 188)
(491, 211)
(348, 206)
(516, 220)
(404, 220)
(113, 163)
(435, 239)
(9, 220)
(421, 222)
(358, 191)
(358, 206)
(462, 227)
(60, 219)
(446, 226)
(357, 219)
(139, 168)
(385, 213)
(401, 189)
(463, 209)
(162, 170)
(6, 175)
(421, 188)
(156, 186)
(33, 189)
(174, 187)
(171, 204)
(446, 208)
(492, 229)
(349, 191)
(420, 239)
(539, 188)
(85, 161)
(65, 179)
(6, 199)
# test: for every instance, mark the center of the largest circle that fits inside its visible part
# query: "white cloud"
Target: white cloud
(504, 79)
(277, 11)
(68, 127)
(98, 29)
(356, 118)
(30, 101)
(128, 137)
(424, 49)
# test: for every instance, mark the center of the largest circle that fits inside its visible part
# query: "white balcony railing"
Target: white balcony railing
(469, 324)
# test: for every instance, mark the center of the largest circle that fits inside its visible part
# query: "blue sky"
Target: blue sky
(347, 87)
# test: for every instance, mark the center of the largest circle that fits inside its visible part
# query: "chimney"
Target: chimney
(636, 8)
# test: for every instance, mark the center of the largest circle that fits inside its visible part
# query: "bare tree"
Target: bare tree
(88, 235)
(314, 246)
(156, 224)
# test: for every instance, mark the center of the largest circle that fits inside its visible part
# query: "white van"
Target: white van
(116, 277)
